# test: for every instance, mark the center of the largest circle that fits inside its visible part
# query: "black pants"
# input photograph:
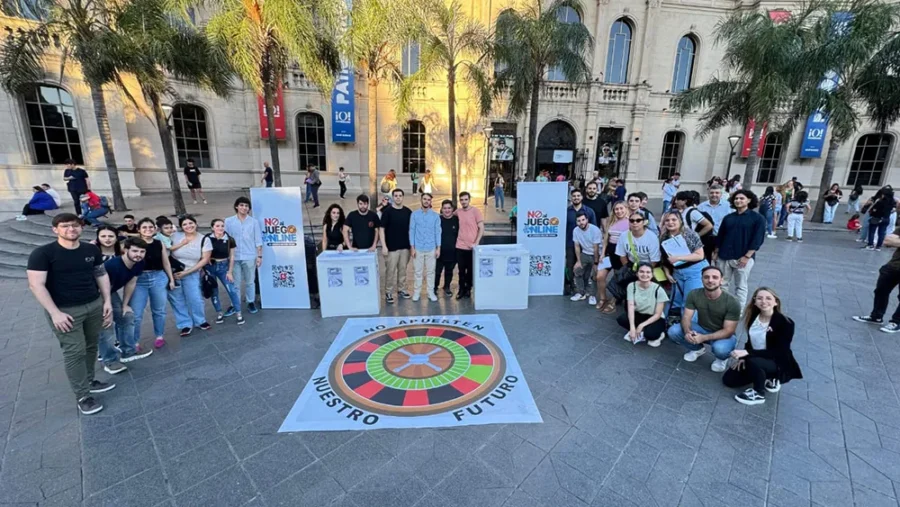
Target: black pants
(709, 244)
(651, 332)
(464, 258)
(415, 188)
(756, 371)
(76, 196)
(445, 268)
(888, 279)
(570, 266)
(343, 188)
(28, 211)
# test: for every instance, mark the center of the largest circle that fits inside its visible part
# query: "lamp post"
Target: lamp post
(732, 140)
(487, 161)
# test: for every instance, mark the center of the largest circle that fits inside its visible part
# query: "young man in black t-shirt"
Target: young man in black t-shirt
(447, 261)
(77, 182)
(598, 203)
(394, 234)
(192, 177)
(364, 225)
(69, 280)
(123, 271)
(129, 229)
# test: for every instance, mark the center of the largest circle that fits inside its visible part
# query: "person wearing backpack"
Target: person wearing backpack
(186, 299)
(92, 208)
(221, 268)
(698, 221)
(388, 184)
(879, 217)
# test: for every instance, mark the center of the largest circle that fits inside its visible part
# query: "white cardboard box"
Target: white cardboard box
(348, 283)
(501, 277)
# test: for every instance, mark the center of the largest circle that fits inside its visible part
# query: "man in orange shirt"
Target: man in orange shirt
(471, 229)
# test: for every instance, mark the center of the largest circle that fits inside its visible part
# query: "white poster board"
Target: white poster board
(348, 283)
(282, 275)
(541, 229)
(501, 277)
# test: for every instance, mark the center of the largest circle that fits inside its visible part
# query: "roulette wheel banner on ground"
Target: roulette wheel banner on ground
(415, 372)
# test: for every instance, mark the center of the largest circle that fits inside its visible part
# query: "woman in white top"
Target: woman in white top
(428, 183)
(186, 299)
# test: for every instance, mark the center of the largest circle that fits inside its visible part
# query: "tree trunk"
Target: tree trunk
(373, 139)
(827, 173)
(532, 131)
(269, 97)
(107, 145)
(165, 138)
(752, 158)
(451, 111)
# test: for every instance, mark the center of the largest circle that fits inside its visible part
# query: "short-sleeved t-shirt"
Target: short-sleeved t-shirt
(78, 183)
(599, 205)
(267, 173)
(119, 274)
(587, 238)
(125, 230)
(191, 253)
(647, 247)
(363, 228)
(468, 227)
(645, 300)
(712, 313)
(395, 223)
(221, 248)
(70, 273)
(192, 174)
(797, 207)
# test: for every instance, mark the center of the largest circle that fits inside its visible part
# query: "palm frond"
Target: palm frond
(20, 61)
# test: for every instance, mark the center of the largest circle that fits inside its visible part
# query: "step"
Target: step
(16, 247)
(12, 272)
(32, 227)
(14, 260)
(8, 233)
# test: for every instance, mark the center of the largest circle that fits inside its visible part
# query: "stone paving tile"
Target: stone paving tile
(196, 423)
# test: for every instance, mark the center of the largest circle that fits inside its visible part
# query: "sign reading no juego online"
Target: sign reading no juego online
(282, 275)
(541, 229)
(415, 372)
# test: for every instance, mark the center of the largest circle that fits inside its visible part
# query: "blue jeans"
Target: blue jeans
(122, 328)
(666, 205)
(769, 215)
(881, 229)
(864, 229)
(721, 348)
(315, 193)
(308, 193)
(91, 216)
(829, 212)
(782, 217)
(686, 280)
(268, 184)
(498, 198)
(187, 302)
(219, 270)
(152, 287)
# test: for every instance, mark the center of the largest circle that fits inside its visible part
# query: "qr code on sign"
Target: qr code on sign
(283, 276)
(540, 265)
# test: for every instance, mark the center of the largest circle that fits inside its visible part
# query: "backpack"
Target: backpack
(385, 187)
(104, 201)
(705, 214)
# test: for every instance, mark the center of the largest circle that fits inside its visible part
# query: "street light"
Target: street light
(732, 140)
(487, 160)
(167, 110)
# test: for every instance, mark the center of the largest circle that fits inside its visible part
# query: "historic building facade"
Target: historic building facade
(621, 123)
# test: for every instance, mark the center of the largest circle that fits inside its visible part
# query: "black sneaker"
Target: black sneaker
(88, 405)
(205, 326)
(251, 307)
(447, 292)
(240, 320)
(404, 294)
(220, 318)
(750, 397)
(101, 387)
(186, 331)
(773, 385)
(230, 311)
(890, 327)
(114, 368)
(867, 318)
(388, 298)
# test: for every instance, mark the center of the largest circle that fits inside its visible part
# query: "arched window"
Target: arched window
(556, 145)
(413, 147)
(565, 15)
(618, 53)
(869, 159)
(191, 139)
(684, 64)
(50, 112)
(311, 141)
(768, 163)
(670, 160)
(410, 59)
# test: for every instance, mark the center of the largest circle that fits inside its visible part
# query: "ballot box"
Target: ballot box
(348, 283)
(501, 277)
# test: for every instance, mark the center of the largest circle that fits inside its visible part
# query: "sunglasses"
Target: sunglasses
(635, 220)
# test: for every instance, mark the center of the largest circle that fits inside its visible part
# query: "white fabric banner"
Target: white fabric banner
(282, 275)
(541, 229)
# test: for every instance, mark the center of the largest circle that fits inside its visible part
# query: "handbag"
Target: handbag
(208, 284)
(658, 274)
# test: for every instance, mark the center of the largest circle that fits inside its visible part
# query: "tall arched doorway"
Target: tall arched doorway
(556, 149)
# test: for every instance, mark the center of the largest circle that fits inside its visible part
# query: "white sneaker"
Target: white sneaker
(416, 296)
(592, 300)
(719, 365)
(657, 342)
(772, 236)
(195, 202)
(432, 296)
(694, 354)
(577, 297)
(773, 385)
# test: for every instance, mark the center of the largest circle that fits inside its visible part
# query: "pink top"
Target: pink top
(616, 229)
(469, 218)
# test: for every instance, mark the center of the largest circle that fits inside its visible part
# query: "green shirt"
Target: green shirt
(645, 300)
(712, 313)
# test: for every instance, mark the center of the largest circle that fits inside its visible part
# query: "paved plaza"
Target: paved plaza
(195, 424)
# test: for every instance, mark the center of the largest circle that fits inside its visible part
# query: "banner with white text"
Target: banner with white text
(282, 276)
(541, 229)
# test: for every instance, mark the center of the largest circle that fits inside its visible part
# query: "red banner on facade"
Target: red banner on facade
(280, 132)
(779, 15)
(748, 139)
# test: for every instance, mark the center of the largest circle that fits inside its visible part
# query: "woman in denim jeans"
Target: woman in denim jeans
(152, 284)
(221, 266)
(194, 251)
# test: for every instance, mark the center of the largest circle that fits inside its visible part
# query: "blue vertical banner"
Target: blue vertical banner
(814, 136)
(343, 108)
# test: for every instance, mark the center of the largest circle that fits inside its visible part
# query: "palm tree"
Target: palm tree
(76, 25)
(527, 43)
(454, 47)
(372, 43)
(762, 68)
(856, 48)
(262, 37)
(153, 46)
